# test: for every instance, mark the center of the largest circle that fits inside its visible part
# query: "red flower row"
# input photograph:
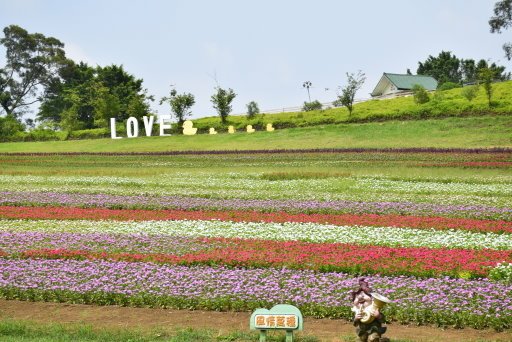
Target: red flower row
(62, 213)
(324, 257)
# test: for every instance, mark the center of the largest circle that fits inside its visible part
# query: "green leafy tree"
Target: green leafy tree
(444, 68)
(420, 94)
(102, 93)
(221, 101)
(106, 105)
(126, 88)
(138, 105)
(180, 104)
(498, 71)
(9, 126)
(448, 68)
(313, 105)
(71, 76)
(502, 20)
(70, 115)
(469, 70)
(348, 93)
(470, 92)
(32, 62)
(486, 76)
(252, 109)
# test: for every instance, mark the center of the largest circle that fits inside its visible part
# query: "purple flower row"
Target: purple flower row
(17, 242)
(445, 296)
(274, 151)
(195, 203)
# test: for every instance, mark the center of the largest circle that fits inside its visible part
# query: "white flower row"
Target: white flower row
(251, 186)
(312, 232)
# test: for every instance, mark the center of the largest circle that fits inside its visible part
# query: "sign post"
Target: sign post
(280, 317)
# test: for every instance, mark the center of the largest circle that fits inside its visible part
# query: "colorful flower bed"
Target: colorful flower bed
(439, 245)
(352, 259)
(293, 206)
(444, 301)
(287, 231)
(495, 191)
(439, 223)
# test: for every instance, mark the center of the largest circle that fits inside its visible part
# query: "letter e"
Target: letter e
(163, 125)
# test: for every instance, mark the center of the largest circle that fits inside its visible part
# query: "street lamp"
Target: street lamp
(306, 85)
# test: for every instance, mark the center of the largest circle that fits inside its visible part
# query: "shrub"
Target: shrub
(252, 109)
(448, 86)
(438, 96)
(41, 134)
(420, 94)
(89, 134)
(9, 127)
(313, 105)
(470, 92)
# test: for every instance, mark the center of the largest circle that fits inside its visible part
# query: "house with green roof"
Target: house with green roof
(391, 85)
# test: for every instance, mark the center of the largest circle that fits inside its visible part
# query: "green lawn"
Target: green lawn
(25, 331)
(441, 178)
(464, 132)
(444, 103)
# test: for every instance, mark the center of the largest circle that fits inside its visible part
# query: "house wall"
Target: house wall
(390, 89)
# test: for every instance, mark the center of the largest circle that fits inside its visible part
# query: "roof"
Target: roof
(405, 82)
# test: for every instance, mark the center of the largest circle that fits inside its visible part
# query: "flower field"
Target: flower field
(431, 231)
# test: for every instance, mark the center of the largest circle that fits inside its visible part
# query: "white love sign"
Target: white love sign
(132, 126)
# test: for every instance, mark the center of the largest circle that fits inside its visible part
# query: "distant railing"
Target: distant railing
(325, 105)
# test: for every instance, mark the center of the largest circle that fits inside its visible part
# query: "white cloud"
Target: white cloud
(77, 54)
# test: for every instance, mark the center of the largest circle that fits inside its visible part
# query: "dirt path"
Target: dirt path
(142, 318)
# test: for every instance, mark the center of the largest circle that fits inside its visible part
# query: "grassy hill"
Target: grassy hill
(444, 104)
(448, 120)
(466, 132)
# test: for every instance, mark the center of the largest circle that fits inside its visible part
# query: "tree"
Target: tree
(420, 94)
(9, 127)
(55, 102)
(70, 115)
(180, 104)
(99, 94)
(32, 62)
(448, 68)
(470, 92)
(126, 88)
(222, 102)
(106, 105)
(252, 109)
(498, 71)
(444, 68)
(348, 93)
(469, 71)
(309, 106)
(486, 76)
(502, 20)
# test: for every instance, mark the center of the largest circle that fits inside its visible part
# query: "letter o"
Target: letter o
(132, 128)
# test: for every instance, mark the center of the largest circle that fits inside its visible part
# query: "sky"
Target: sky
(264, 50)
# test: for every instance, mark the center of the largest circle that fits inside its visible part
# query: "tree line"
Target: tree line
(76, 96)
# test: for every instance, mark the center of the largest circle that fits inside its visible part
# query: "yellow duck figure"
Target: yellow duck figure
(188, 129)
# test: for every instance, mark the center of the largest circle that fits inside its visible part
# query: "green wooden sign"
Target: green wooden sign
(280, 317)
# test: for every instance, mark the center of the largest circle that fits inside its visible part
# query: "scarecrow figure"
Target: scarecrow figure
(368, 319)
